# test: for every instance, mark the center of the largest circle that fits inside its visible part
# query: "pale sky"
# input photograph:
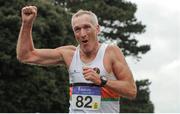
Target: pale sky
(161, 65)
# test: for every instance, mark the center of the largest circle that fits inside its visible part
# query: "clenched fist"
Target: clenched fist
(28, 14)
(91, 74)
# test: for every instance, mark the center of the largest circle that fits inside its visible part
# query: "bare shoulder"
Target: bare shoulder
(114, 50)
(67, 53)
(115, 53)
(66, 49)
(112, 47)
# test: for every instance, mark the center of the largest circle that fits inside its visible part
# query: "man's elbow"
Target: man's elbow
(133, 93)
(21, 59)
(133, 96)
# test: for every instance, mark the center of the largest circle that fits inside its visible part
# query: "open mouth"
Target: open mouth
(85, 41)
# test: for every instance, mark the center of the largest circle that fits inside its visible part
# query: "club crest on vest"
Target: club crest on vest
(97, 70)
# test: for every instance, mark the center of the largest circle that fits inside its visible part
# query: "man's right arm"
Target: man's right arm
(26, 52)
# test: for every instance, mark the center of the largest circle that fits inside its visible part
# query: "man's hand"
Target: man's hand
(91, 75)
(28, 14)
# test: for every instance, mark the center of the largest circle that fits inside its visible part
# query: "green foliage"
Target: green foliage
(142, 103)
(27, 88)
(41, 92)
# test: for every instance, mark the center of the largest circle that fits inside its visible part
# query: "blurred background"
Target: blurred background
(162, 63)
(146, 32)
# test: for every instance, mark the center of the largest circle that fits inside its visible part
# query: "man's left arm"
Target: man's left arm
(125, 84)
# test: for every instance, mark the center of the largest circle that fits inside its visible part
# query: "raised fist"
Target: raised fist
(28, 14)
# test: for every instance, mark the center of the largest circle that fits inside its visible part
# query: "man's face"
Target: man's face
(85, 32)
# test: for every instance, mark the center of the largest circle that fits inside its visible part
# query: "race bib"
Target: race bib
(86, 97)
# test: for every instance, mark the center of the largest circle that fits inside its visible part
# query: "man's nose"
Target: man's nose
(83, 33)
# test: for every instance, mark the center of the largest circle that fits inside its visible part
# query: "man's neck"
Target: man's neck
(89, 56)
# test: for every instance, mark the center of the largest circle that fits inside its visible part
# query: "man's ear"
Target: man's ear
(98, 29)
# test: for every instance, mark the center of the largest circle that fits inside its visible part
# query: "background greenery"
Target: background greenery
(25, 88)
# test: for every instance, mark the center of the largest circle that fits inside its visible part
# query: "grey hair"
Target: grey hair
(82, 12)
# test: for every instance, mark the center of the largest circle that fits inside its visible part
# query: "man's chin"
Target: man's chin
(84, 45)
(86, 48)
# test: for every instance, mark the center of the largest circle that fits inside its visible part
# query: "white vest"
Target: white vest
(75, 73)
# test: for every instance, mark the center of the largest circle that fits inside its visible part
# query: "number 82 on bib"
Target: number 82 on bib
(86, 97)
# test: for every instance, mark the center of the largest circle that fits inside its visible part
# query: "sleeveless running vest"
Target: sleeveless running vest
(109, 99)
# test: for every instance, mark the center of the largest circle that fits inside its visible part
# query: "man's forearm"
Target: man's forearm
(124, 88)
(25, 42)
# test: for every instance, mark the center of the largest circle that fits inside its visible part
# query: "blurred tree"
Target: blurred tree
(142, 104)
(27, 88)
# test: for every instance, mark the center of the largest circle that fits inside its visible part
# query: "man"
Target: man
(99, 74)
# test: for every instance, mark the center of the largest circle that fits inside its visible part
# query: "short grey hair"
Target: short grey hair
(82, 12)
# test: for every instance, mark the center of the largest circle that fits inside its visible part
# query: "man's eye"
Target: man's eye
(77, 29)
